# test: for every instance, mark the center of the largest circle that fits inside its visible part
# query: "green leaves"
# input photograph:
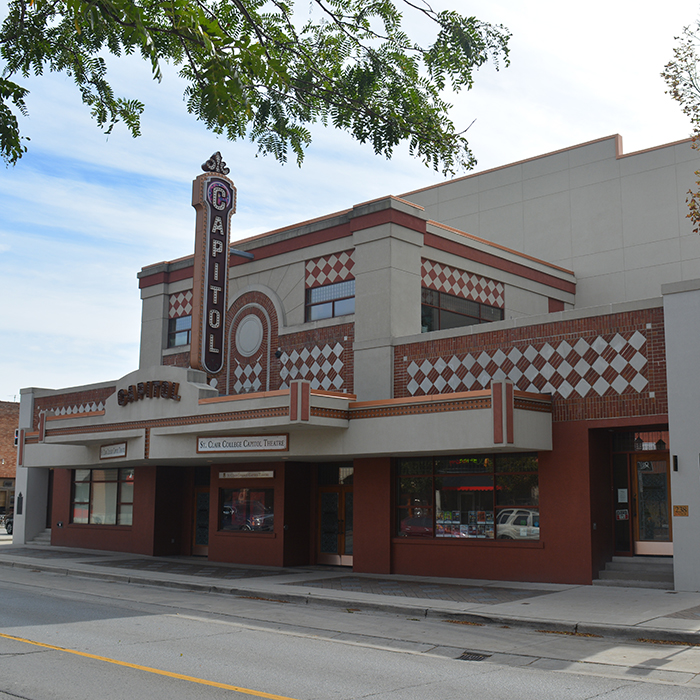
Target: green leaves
(11, 146)
(255, 70)
(681, 76)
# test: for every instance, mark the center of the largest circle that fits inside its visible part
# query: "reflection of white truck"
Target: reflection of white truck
(518, 524)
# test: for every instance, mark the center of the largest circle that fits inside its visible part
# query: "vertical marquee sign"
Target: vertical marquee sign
(214, 199)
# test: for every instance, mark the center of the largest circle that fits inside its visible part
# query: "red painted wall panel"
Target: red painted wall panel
(256, 548)
(563, 553)
(138, 538)
(372, 515)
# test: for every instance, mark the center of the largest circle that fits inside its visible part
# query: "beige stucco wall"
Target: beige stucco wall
(618, 221)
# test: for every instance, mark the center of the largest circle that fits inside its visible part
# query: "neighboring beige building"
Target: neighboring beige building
(617, 220)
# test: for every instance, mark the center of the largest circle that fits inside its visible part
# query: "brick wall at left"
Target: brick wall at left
(9, 420)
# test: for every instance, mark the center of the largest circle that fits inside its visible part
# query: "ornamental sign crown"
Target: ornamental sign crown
(214, 199)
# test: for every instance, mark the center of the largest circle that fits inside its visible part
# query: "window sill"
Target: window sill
(176, 350)
(247, 533)
(468, 542)
(95, 526)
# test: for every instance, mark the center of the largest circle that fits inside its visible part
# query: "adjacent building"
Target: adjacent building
(9, 420)
(489, 378)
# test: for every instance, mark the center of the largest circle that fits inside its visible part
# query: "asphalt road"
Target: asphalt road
(64, 637)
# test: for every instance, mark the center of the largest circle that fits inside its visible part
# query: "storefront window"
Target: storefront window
(473, 496)
(103, 496)
(247, 510)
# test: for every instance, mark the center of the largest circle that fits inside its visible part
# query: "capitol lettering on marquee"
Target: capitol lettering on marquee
(149, 390)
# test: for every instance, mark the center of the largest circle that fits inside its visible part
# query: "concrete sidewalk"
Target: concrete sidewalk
(630, 613)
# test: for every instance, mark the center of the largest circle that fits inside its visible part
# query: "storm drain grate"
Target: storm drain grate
(473, 656)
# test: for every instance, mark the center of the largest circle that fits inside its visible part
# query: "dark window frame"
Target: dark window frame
(247, 509)
(179, 331)
(447, 310)
(418, 516)
(123, 501)
(329, 301)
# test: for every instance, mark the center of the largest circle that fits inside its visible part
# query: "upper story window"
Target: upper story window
(179, 331)
(440, 311)
(330, 300)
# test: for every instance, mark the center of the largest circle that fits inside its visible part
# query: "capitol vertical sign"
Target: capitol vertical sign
(214, 200)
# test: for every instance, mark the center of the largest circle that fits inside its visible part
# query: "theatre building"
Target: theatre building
(473, 380)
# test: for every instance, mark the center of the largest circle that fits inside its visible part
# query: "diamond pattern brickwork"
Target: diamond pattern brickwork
(247, 378)
(180, 304)
(74, 403)
(601, 367)
(322, 365)
(330, 269)
(460, 283)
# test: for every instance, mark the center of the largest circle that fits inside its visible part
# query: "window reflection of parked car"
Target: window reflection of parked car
(417, 527)
(262, 518)
(248, 516)
(518, 524)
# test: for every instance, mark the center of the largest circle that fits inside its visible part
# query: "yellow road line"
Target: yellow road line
(157, 671)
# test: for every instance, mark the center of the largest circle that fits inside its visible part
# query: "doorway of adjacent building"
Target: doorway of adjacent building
(335, 514)
(651, 518)
(642, 495)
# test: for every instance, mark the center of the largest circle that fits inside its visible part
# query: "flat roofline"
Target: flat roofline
(618, 154)
(500, 247)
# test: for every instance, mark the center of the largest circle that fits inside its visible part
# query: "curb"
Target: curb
(577, 629)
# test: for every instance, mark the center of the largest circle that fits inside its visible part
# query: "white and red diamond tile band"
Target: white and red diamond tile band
(602, 365)
(460, 283)
(247, 377)
(329, 269)
(180, 304)
(78, 408)
(322, 366)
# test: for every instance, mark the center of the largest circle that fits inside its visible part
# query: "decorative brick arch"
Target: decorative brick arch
(252, 338)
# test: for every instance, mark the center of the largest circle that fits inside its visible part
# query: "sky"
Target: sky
(82, 212)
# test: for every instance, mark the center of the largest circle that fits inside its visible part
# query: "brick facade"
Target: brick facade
(9, 420)
(74, 402)
(180, 359)
(323, 356)
(611, 366)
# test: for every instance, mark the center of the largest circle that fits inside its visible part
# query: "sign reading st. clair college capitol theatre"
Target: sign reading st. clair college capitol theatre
(243, 443)
(214, 199)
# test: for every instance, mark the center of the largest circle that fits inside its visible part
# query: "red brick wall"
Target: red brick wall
(343, 334)
(619, 399)
(72, 402)
(325, 339)
(180, 359)
(9, 420)
(138, 538)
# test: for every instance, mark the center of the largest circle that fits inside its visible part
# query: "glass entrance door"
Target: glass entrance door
(335, 515)
(652, 500)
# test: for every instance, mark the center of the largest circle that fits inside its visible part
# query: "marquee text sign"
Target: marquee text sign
(149, 390)
(244, 443)
(214, 199)
(247, 475)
